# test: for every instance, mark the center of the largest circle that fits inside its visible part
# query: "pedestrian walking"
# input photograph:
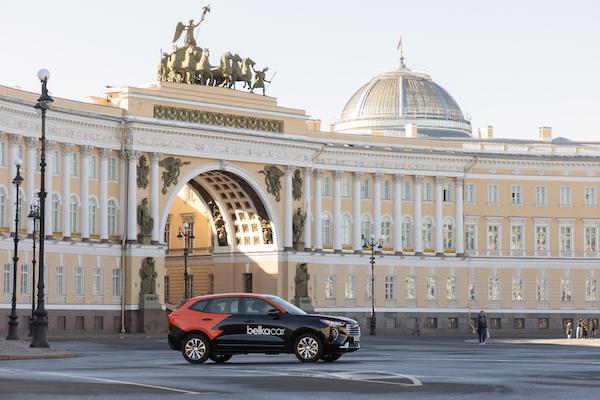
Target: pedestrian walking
(578, 329)
(482, 328)
(417, 330)
(593, 328)
(569, 329)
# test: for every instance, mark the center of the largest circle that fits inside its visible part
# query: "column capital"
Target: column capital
(12, 138)
(439, 180)
(289, 169)
(398, 178)
(460, 180)
(67, 148)
(85, 150)
(338, 174)
(357, 174)
(318, 172)
(31, 142)
(419, 179)
(132, 155)
(104, 152)
(154, 157)
(378, 176)
(50, 144)
(308, 171)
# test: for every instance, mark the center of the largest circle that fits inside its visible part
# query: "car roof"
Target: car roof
(220, 295)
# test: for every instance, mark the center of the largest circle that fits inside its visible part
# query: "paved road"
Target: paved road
(407, 368)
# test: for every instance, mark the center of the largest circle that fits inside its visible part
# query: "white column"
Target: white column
(439, 242)
(288, 214)
(84, 193)
(459, 231)
(337, 211)
(30, 178)
(67, 153)
(398, 213)
(132, 158)
(377, 206)
(51, 159)
(122, 193)
(104, 153)
(318, 211)
(418, 216)
(356, 213)
(13, 155)
(307, 209)
(154, 199)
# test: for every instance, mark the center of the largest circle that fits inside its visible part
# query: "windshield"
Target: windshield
(289, 308)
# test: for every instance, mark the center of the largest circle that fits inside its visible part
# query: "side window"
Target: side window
(255, 306)
(225, 305)
(199, 306)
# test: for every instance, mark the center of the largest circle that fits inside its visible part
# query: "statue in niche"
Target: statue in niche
(172, 167)
(142, 172)
(148, 275)
(219, 223)
(144, 219)
(298, 225)
(273, 180)
(265, 224)
(301, 280)
(297, 185)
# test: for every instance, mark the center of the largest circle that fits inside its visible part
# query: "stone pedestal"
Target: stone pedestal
(144, 239)
(152, 318)
(304, 303)
(299, 246)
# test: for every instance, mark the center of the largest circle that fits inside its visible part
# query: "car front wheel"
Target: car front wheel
(308, 347)
(196, 348)
(331, 357)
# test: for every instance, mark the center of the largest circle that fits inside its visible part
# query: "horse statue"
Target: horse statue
(236, 70)
(189, 64)
(247, 65)
(176, 72)
(221, 75)
(203, 68)
(243, 73)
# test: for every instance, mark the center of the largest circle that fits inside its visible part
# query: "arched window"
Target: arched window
(74, 210)
(3, 203)
(447, 232)
(365, 227)
(427, 233)
(346, 229)
(92, 207)
(326, 228)
(407, 233)
(386, 231)
(112, 217)
(55, 213)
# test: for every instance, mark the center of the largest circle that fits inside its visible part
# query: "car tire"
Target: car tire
(220, 358)
(330, 357)
(308, 347)
(195, 348)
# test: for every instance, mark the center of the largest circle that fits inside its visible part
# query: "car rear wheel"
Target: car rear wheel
(196, 348)
(308, 347)
(220, 358)
(331, 357)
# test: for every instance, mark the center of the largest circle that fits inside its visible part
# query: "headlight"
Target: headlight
(332, 323)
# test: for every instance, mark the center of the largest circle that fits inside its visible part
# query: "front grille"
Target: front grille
(353, 330)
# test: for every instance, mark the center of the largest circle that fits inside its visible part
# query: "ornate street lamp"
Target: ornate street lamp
(40, 323)
(34, 214)
(374, 245)
(13, 322)
(188, 234)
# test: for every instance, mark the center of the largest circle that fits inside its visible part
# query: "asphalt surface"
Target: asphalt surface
(407, 368)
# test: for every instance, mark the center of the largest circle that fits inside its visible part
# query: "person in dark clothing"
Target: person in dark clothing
(482, 327)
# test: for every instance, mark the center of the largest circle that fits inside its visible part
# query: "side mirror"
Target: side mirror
(273, 312)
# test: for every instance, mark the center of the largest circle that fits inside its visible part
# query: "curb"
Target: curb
(14, 357)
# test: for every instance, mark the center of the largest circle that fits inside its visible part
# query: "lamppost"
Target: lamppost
(40, 323)
(34, 214)
(188, 234)
(374, 245)
(13, 323)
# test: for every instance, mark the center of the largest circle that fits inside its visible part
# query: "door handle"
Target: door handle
(249, 321)
(206, 319)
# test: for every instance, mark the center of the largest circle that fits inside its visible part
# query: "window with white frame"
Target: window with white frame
(406, 233)
(565, 290)
(92, 211)
(78, 282)
(411, 288)
(330, 287)
(427, 231)
(590, 196)
(113, 169)
(3, 206)
(24, 279)
(516, 194)
(97, 282)
(93, 171)
(365, 188)
(470, 193)
(591, 238)
(541, 237)
(493, 237)
(350, 287)
(591, 289)
(386, 190)
(493, 194)
(386, 231)
(326, 185)
(494, 288)
(451, 288)
(346, 186)
(116, 281)
(470, 237)
(447, 193)
(406, 190)
(389, 287)
(326, 229)
(74, 210)
(55, 212)
(541, 289)
(431, 288)
(541, 196)
(7, 278)
(565, 196)
(427, 191)
(60, 280)
(365, 227)
(517, 288)
(112, 217)
(447, 234)
(55, 162)
(74, 164)
(566, 238)
(516, 237)
(346, 229)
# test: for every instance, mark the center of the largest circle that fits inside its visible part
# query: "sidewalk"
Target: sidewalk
(558, 342)
(19, 350)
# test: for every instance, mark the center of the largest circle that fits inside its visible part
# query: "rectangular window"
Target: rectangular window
(326, 185)
(427, 190)
(590, 196)
(470, 237)
(591, 238)
(60, 281)
(97, 282)
(346, 187)
(566, 238)
(350, 287)
(93, 172)
(113, 169)
(24, 279)
(447, 193)
(55, 162)
(493, 237)
(61, 323)
(387, 193)
(432, 323)
(519, 323)
(7, 278)
(565, 196)
(74, 164)
(98, 322)
(452, 323)
(365, 189)
(541, 237)
(78, 289)
(79, 323)
(541, 198)
(406, 190)
(543, 323)
(116, 282)
(495, 323)
(516, 194)
(389, 288)
(492, 194)
(330, 287)
(516, 238)
(470, 193)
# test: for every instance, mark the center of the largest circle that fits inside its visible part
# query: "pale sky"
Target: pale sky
(515, 65)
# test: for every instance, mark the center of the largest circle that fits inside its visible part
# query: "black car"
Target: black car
(219, 326)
